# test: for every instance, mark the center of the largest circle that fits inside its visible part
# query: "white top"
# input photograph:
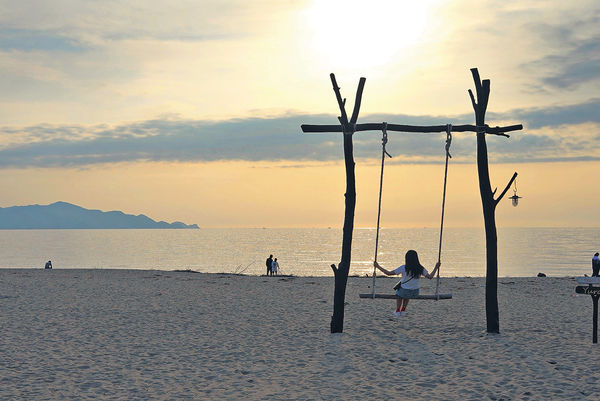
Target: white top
(409, 282)
(274, 266)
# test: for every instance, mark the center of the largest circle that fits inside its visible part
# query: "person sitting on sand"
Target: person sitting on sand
(595, 265)
(274, 267)
(411, 272)
(48, 265)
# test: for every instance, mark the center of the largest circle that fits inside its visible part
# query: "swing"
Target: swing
(437, 296)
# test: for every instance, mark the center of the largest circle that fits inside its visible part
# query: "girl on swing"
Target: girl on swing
(408, 287)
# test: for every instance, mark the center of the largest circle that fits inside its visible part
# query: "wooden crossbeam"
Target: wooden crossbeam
(310, 128)
(393, 296)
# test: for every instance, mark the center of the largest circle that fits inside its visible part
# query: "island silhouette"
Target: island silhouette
(64, 215)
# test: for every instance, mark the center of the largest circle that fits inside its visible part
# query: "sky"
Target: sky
(191, 110)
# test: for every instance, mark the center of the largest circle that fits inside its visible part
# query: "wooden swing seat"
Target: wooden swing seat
(394, 296)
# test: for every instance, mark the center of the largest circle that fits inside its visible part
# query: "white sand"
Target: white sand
(127, 335)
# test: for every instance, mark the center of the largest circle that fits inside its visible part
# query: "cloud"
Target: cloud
(159, 140)
(67, 24)
(576, 66)
(558, 133)
(32, 40)
(539, 117)
(571, 41)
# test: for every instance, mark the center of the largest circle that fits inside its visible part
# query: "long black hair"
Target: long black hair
(412, 264)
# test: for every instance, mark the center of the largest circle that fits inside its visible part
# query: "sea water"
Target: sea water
(301, 251)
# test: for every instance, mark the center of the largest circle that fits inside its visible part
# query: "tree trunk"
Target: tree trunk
(489, 206)
(341, 273)
(491, 274)
(491, 237)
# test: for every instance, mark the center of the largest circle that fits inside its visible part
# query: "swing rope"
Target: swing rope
(383, 154)
(448, 156)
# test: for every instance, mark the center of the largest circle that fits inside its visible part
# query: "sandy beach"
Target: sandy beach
(158, 335)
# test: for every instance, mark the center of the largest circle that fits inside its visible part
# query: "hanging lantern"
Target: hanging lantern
(515, 198)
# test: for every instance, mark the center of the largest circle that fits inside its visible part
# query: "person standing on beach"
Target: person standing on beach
(274, 267)
(48, 265)
(596, 265)
(409, 285)
(269, 264)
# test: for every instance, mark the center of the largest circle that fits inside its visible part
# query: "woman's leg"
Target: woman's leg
(399, 304)
(404, 303)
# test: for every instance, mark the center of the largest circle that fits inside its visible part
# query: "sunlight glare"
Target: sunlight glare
(365, 33)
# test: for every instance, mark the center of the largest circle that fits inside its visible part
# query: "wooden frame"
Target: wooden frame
(349, 127)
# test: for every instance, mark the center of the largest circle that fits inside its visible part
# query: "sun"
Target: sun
(365, 33)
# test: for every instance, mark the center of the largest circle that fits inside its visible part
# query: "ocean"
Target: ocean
(522, 252)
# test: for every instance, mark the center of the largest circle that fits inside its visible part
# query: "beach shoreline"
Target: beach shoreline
(156, 334)
(286, 275)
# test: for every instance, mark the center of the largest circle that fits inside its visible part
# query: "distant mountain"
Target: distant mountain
(63, 215)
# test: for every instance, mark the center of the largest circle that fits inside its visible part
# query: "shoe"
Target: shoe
(396, 313)
(402, 313)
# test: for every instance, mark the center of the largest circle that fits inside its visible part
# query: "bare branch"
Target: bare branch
(477, 81)
(507, 187)
(359, 91)
(473, 100)
(338, 96)
(483, 103)
(334, 268)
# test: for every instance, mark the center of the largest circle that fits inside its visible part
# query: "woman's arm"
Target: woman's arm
(386, 272)
(432, 275)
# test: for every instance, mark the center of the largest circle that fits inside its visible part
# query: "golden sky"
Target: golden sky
(191, 110)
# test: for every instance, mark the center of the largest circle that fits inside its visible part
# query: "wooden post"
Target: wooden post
(595, 293)
(343, 268)
(488, 202)
(595, 319)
